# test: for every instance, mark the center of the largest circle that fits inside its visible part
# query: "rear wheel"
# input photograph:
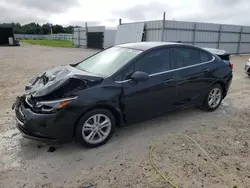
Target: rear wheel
(213, 99)
(95, 128)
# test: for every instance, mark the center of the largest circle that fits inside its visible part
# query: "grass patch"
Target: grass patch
(53, 43)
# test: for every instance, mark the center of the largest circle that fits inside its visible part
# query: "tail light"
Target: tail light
(231, 65)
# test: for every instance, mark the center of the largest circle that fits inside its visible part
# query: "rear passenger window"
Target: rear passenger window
(186, 56)
(205, 56)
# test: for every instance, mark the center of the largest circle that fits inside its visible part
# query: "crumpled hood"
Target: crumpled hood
(54, 78)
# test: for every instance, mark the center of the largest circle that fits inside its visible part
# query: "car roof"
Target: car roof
(147, 45)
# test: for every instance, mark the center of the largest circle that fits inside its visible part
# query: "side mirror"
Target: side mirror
(139, 76)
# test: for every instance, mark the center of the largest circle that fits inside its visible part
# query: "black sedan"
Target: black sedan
(123, 84)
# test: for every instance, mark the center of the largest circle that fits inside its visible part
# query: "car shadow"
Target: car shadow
(132, 140)
(168, 122)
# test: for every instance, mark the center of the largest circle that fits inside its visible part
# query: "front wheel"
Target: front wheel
(95, 128)
(213, 99)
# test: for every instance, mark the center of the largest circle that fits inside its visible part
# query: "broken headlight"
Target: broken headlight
(54, 105)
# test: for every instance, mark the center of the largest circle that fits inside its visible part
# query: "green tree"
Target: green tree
(35, 28)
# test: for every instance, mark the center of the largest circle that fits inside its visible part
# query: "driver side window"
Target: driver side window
(154, 62)
(126, 74)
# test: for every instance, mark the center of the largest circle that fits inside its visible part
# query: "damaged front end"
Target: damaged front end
(56, 88)
(46, 111)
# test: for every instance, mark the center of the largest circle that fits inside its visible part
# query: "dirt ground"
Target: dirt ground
(124, 161)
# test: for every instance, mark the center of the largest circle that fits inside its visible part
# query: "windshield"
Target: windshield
(108, 61)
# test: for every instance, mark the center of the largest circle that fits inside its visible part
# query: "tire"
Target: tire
(90, 127)
(216, 98)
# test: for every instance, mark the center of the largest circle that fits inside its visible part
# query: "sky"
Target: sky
(108, 12)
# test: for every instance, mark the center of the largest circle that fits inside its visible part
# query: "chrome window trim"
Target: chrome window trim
(159, 73)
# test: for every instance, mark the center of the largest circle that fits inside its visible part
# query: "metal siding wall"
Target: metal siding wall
(231, 28)
(245, 48)
(229, 47)
(76, 42)
(153, 35)
(109, 38)
(246, 29)
(173, 33)
(153, 24)
(206, 36)
(176, 35)
(246, 37)
(208, 26)
(208, 45)
(96, 29)
(80, 36)
(75, 37)
(210, 35)
(179, 25)
(153, 30)
(129, 33)
(230, 37)
(83, 35)
(82, 41)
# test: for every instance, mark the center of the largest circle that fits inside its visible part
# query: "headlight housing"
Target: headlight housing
(54, 105)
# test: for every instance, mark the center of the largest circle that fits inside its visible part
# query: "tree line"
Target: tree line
(35, 28)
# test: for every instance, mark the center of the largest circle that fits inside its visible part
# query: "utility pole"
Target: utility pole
(51, 31)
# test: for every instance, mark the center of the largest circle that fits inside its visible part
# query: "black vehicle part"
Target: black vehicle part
(225, 57)
(72, 85)
(85, 117)
(139, 76)
(57, 77)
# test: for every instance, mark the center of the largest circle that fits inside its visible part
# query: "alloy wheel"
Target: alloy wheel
(96, 129)
(214, 97)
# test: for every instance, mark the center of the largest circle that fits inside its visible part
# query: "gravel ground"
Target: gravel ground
(124, 161)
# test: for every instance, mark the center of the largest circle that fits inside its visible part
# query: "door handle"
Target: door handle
(206, 70)
(168, 80)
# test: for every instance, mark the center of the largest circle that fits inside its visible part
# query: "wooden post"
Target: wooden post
(78, 36)
(218, 45)
(195, 26)
(163, 26)
(238, 48)
(86, 28)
